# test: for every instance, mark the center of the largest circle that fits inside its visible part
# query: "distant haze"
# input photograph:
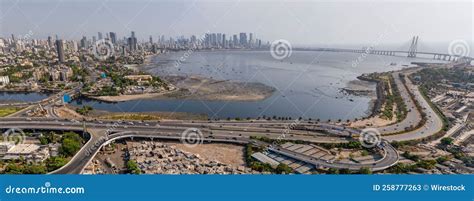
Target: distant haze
(303, 23)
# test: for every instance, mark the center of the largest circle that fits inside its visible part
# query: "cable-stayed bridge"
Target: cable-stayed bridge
(412, 52)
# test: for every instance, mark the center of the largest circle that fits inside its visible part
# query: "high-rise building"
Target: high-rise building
(99, 35)
(224, 41)
(132, 42)
(50, 42)
(84, 42)
(151, 40)
(235, 41)
(250, 39)
(113, 37)
(219, 39)
(60, 50)
(243, 39)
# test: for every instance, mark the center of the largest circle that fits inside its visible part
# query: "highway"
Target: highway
(433, 124)
(413, 116)
(103, 133)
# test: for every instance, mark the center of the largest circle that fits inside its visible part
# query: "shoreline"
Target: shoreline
(199, 88)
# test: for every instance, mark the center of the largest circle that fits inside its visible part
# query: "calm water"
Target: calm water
(307, 83)
(22, 96)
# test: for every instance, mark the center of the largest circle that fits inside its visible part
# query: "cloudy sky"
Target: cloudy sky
(302, 22)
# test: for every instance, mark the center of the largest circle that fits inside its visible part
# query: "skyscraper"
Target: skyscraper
(132, 42)
(113, 37)
(224, 42)
(60, 50)
(235, 40)
(250, 40)
(243, 39)
(99, 35)
(84, 42)
(50, 42)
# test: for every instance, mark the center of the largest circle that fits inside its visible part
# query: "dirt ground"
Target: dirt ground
(224, 153)
(201, 88)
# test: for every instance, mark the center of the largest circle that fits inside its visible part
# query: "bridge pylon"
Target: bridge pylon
(413, 47)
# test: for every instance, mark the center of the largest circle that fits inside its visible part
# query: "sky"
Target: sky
(302, 22)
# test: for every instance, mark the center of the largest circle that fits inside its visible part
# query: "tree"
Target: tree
(283, 169)
(35, 169)
(447, 141)
(13, 168)
(333, 171)
(133, 168)
(344, 171)
(55, 162)
(365, 170)
(70, 144)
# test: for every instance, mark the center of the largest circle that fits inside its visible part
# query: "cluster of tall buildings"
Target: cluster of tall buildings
(130, 44)
(216, 41)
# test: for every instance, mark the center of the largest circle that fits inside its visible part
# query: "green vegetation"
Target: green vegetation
(431, 77)
(391, 98)
(442, 159)
(424, 93)
(133, 168)
(21, 167)
(85, 110)
(5, 111)
(405, 168)
(283, 169)
(54, 163)
(409, 156)
(108, 91)
(365, 170)
(458, 154)
(348, 145)
(136, 117)
(447, 141)
(16, 73)
(79, 74)
(50, 137)
(263, 167)
(70, 144)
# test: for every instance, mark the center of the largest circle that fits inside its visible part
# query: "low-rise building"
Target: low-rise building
(5, 147)
(4, 80)
(21, 150)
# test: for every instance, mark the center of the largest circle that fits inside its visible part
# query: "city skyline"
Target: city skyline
(301, 23)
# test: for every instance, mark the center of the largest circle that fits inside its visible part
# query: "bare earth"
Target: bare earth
(201, 88)
(224, 153)
(122, 98)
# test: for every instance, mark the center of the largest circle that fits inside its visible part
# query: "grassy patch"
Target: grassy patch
(5, 111)
(132, 117)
